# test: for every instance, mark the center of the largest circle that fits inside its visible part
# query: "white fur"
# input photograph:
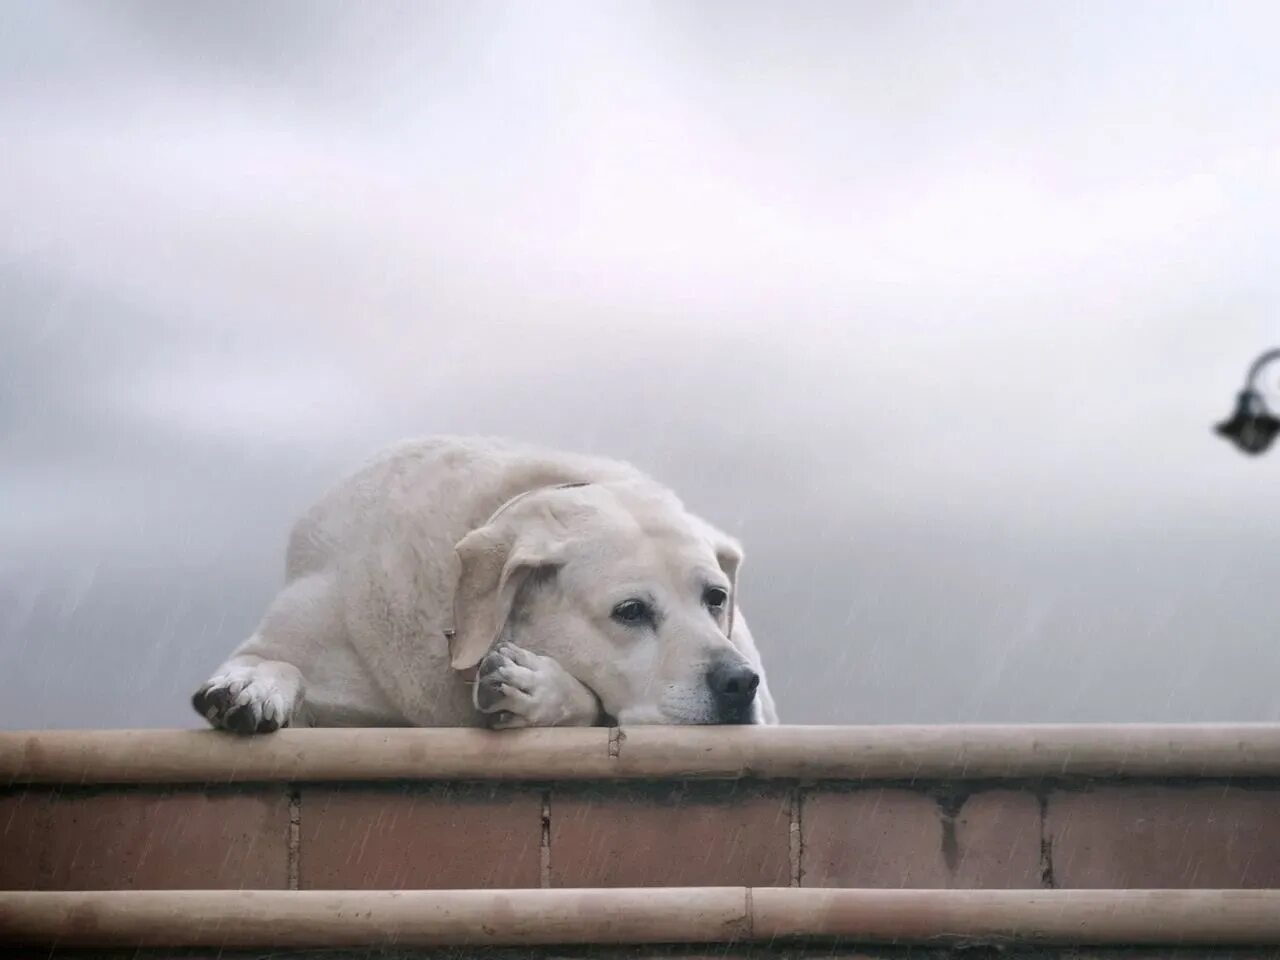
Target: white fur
(409, 549)
(535, 691)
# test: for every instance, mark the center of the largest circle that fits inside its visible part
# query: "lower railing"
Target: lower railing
(719, 915)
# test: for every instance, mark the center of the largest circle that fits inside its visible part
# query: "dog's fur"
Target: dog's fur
(447, 554)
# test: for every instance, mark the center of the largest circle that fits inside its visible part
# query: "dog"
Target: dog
(476, 582)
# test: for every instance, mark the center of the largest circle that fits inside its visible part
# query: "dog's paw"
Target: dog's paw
(244, 701)
(516, 688)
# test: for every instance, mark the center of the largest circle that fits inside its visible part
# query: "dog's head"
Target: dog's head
(631, 594)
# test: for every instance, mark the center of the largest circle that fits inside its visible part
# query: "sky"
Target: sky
(932, 305)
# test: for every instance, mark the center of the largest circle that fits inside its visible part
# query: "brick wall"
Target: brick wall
(1182, 833)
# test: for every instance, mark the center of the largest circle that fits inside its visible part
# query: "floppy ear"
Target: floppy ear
(729, 557)
(493, 562)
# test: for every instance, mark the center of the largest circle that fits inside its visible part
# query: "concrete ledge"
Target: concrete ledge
(247, 919)
(789, 753)
(986, 808)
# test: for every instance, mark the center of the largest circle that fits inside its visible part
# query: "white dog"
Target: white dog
(581, 589)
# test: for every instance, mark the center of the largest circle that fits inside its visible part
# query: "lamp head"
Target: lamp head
(1251, 427)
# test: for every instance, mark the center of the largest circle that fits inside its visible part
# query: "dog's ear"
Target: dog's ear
(729, 556)
(493, 562)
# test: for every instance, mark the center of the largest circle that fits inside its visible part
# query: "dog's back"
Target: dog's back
(455, 481)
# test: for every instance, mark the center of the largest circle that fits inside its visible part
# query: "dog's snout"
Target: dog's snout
(733, 686)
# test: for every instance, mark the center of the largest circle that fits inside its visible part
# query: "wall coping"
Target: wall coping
(951, 752)
(348, 918)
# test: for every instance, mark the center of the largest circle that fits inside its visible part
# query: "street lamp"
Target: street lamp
(1252, 426)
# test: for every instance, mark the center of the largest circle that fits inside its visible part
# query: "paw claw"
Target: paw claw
(241, 704)
(489, 693)
(492, 662)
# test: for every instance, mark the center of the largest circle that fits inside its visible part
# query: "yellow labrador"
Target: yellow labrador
(575, 589)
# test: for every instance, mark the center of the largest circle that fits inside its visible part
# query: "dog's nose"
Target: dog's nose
(733, 684)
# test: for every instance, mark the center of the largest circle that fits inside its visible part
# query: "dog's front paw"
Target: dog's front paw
(244, 701)
(516, 688)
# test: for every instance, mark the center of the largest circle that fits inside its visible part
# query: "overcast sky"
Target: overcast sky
(931, 304)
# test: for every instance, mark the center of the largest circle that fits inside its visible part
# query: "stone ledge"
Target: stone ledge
(426, 828)
(767, 753)
(705, 915)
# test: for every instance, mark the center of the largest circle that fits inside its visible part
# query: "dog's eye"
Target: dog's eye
(715, 598)
(633, 611)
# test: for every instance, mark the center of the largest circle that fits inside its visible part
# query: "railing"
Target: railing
(770, 753)
(1113, 835)
(255, 919)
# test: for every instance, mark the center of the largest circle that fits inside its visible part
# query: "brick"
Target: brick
(659, 835)
(1165, 837)
(144, 839)
(414, 837)
(888, 837)
(998, 841)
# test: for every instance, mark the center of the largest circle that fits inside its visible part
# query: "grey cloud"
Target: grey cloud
(932, 305)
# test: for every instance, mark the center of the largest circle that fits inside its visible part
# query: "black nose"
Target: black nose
(733, 685)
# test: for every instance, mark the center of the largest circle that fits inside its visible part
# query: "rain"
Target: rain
(932, 305)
